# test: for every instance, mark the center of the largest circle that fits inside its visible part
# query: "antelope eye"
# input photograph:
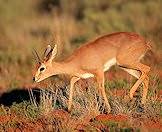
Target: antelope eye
(41, 69)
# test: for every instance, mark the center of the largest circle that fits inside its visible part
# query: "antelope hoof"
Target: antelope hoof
(69, 110)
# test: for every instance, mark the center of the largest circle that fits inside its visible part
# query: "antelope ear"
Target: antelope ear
(54, 52)
(47, 51)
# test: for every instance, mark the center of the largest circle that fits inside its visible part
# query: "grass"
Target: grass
(87, 112)
(120, 84)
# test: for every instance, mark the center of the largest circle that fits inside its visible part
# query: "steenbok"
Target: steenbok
(94, 58)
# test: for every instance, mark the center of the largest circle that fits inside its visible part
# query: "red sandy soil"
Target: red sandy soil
(110, 117)
(22, 124)
(60, 114)
(146, 124)
(152, 125)
(103, 118)
(41, 124)
(6, 118)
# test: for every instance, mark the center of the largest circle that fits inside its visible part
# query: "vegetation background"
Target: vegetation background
(33, 24)
(29, 25)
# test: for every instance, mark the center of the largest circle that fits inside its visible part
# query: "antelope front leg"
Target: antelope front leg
(72, 82)
(100, 81)
(145, 89)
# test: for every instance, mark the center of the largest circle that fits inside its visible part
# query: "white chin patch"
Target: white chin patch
(38, 80)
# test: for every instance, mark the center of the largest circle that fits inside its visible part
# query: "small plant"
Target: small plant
(116, 84)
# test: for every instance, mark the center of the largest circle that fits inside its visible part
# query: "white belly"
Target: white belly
(87, 75)
(109, 63)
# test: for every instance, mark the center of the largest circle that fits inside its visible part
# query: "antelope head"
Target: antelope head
(44, 66)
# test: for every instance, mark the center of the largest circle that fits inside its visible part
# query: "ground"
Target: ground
(46, 110)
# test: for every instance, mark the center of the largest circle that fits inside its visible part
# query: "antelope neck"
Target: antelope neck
(62, 68)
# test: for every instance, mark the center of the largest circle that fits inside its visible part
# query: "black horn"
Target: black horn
(37, 58)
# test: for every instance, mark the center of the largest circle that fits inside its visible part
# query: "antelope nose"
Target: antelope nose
(33, 79)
